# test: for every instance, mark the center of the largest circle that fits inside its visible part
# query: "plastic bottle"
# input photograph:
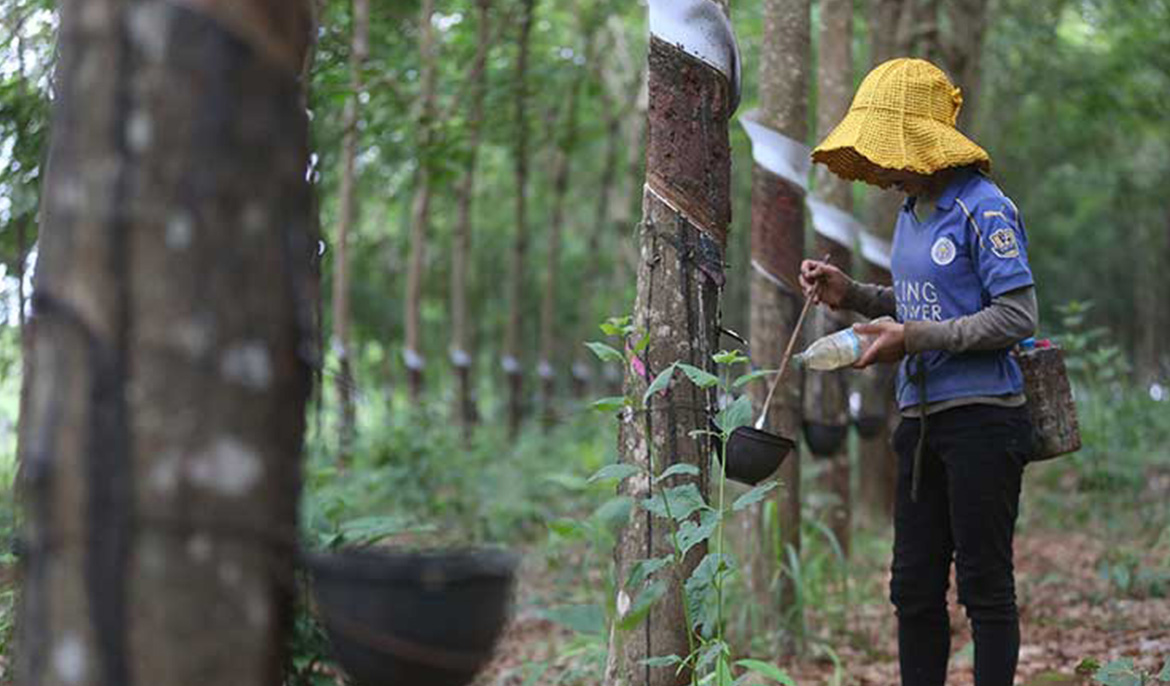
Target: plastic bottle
(837, 350)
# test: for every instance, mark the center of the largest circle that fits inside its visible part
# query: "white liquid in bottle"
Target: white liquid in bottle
(836, 350)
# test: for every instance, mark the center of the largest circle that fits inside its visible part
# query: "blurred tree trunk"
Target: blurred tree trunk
(928, 41)
(826, 407)
(964, 53)
(680, 274)
(876, 460)
(512, 362)
(166, 413)
(347, 217)
(548, 306)
(461, 354)
(777, 245)
(421, 206)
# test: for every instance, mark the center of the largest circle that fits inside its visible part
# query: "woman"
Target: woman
(962, 296)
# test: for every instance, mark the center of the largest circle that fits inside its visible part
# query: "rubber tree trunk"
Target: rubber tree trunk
(347, 217)
(546, 367)
(602, 222)
(964, 53)
(827, 393)
(421, 207)
(876, 461)
(512, 362)
(686, 210)
(461, 355)
(167, 407)
(777, 245)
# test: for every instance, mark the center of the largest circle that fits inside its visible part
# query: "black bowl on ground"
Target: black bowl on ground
(754, 455)
(825, 440)
(407, 619)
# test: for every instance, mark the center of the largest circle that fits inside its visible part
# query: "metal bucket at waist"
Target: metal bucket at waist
(1050, 402)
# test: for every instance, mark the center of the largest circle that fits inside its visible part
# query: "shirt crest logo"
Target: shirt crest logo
(1003, 243)
(943, 251)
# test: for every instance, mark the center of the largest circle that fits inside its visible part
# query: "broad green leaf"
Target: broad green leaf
(610, 404)
(616, 326)
(723, 675)
(659, 383)
(582, 619)
(613, 512)
(641, 606)
(615, 470)
(566, 528)
(644, 569)
(768, 670)
(729, 357)
(752, 376)
(738, 413)
(700, 591)
(642, 344)
(1118, 673)
(677, 469)
(700, 378)
(691, 533)
(679, 502)
(662, 661)
(1164, 675)
(604, 352)
(753, 496)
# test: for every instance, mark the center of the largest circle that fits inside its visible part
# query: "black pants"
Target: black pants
(968, 498)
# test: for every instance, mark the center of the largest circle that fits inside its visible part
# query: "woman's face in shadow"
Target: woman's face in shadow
(902, 181)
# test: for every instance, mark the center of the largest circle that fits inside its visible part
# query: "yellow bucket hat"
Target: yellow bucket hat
(902, 118)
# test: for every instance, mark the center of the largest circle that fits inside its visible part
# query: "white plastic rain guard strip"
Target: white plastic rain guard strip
(875, 250)
(779, 154)
(833, 223)
(772, 278)
(700, 29)
(510, 364)
(413, 359)
(460, 358)
(544, 370)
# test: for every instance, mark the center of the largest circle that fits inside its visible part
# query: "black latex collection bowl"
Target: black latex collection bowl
(869, 426)
(407, 619)
(754, 455)
(825, 440)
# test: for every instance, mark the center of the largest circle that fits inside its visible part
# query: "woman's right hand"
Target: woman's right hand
(824, 283)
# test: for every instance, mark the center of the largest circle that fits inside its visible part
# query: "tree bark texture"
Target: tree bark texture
(548, 305)
(513, 364)
(166, 411)
(421, 206)
(686, 210)
(827, 393)
(964, 53)
(461, 245)
(777, 247)
(347, 217)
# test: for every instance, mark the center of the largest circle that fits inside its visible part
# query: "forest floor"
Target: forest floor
(1070, 610)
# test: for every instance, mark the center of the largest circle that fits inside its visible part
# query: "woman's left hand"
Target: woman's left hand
(889, 343)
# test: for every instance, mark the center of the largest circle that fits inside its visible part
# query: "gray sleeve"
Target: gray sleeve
(1009, 319)
(869, 300)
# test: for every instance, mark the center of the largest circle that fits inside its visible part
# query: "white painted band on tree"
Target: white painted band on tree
(460, 358)
(777, 153)
(833, 223)
(581, 370)
(700, 29)
(771, 278)
(510, 364)
(413, 360)
(544, 370)
(875, 250)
